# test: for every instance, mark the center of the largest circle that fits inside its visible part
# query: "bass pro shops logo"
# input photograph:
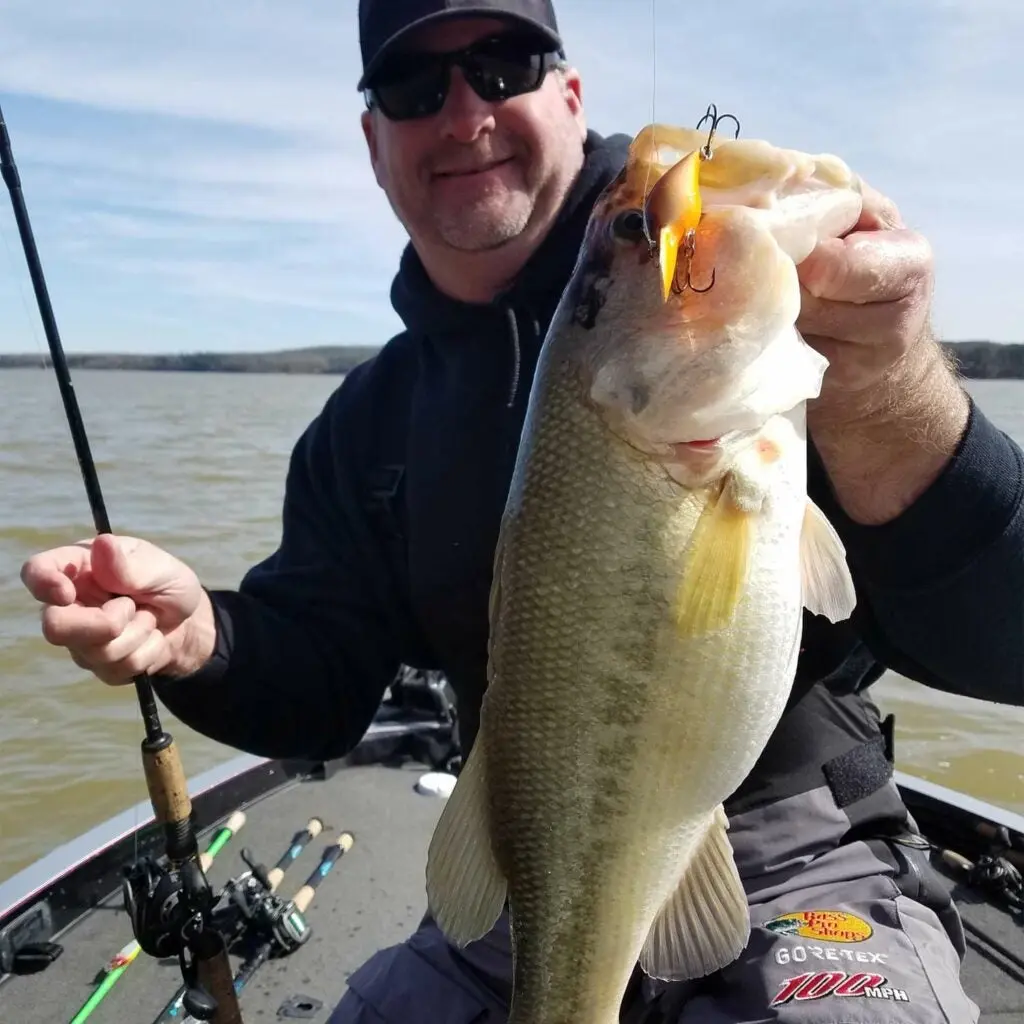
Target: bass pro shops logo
(825, 925)
(806, 987)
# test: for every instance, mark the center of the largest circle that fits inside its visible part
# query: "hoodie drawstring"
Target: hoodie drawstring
(514, 328)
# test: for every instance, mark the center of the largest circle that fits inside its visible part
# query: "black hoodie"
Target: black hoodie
(393, 500)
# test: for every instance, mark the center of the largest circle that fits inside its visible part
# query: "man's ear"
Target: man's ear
(572, 86)
(369, 124)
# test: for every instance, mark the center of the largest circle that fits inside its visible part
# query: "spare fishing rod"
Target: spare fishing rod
(269, 926)
(291, 931)
(123, 959)
(148, 888)
(1004, 884)
(252, 906)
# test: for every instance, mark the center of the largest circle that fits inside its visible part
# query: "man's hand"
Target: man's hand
(122, 607)
(891, 410)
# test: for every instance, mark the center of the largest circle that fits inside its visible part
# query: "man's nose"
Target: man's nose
(465, 116)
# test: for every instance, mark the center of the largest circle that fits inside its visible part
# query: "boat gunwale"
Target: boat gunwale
(981, 810)
(63, 860)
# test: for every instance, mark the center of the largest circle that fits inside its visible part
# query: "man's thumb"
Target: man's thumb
(124, 565)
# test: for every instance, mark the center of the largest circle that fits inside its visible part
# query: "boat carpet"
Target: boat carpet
(373, 897)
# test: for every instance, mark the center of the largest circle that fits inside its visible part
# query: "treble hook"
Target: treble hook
(688, 251)
(716, 120)
(689, 242)
(688, 247)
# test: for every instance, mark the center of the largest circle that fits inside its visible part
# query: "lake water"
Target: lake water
(196, 463)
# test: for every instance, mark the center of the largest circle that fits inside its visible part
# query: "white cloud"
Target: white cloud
(199, 165)
(920, 97)
(255, 64)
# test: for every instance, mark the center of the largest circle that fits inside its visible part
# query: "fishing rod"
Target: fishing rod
(121, 960)
(284, 941)
(299, 842)
(1006, 887)
(252, 903)
(147, 886)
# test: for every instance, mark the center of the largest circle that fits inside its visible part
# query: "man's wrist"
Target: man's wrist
(885, 445)
(197, 641)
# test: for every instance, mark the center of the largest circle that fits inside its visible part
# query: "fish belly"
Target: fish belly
(611, 739)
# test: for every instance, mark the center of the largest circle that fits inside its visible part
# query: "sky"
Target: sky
(197, 178)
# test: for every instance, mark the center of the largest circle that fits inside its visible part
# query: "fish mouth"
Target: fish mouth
(703, 449)
(702, 445)
(673, 451)
(672, 212)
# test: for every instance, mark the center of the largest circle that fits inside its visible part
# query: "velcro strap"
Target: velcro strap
(859, 772)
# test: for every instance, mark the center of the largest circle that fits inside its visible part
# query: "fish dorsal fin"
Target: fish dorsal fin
(465, 887)
(827, 584)
(705, 924)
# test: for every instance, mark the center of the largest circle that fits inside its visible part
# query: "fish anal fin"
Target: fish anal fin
(825, 577)
(715, 567)
(705, 924)
(465, 887)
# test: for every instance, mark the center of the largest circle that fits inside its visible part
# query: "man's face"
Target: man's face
(476, 175)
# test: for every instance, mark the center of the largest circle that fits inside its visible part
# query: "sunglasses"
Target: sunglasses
(416, 85)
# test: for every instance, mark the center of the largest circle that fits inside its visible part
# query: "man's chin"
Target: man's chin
(483, 230)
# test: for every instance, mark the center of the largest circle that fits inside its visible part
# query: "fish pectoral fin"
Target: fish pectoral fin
(705, 923)
(716, 566)
(494, 597)
(465, 887)
(827, 584)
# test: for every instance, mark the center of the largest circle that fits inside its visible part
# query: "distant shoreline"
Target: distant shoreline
(978, 360)
(332, 359)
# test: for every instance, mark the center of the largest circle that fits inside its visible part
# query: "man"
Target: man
(395, 492)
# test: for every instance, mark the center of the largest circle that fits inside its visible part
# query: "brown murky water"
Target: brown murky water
(196, 463)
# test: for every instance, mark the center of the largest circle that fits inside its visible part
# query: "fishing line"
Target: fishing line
(52, 400)
(20, 285)
(54, 409)
(161, 899)
(654, 97)
(654, 60)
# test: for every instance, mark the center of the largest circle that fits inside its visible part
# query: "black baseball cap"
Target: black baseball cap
(382, 23)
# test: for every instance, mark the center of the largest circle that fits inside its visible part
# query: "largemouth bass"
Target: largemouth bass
(656, 552)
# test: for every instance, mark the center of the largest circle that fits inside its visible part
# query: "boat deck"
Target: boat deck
(995, 984)
(373, 897)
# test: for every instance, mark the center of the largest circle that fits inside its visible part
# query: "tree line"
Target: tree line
(980, 360)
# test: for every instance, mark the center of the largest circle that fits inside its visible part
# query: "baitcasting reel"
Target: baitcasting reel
(168, 906)
(265, 916)
(170, 910)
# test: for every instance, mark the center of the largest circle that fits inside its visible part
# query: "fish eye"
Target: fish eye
(629, 225)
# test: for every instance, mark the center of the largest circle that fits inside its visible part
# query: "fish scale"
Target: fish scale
(646, 607)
